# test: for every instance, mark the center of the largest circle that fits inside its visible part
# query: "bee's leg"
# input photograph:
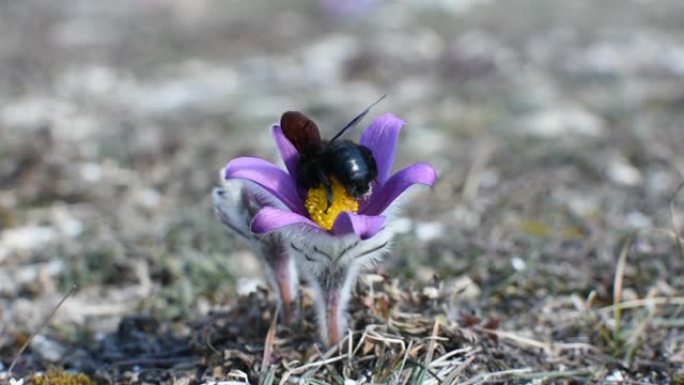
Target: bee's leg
(328, 190)
(329, 196)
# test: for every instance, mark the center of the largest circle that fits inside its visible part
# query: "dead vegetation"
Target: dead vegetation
(550, 250)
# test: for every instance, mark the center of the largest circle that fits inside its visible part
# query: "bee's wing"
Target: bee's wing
(301, 131)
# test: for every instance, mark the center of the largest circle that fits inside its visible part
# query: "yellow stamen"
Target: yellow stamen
(317, 202)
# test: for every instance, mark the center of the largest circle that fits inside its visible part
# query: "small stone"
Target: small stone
(400, 225)
(50, 350)
(148, 198)
(620, 171)
(552, 123)
(247, 286)
(518, 264)
(581, 204)
(464, 288)
(25, 238)
(431, 292)
(91, 172)
(489, 178)
(638, 220)
(616, 377)
(429, 230)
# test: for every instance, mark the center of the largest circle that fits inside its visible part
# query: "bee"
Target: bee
(351, 164)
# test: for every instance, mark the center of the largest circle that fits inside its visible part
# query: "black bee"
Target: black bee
(351, 164)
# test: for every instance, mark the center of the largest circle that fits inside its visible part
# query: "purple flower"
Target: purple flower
(380, 137)
(300, 232)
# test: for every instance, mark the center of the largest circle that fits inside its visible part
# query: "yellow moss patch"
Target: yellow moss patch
(60, 377)
(317, 201)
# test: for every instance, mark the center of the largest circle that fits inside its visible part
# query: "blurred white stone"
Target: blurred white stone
(202, 86)
(426, 231)
(25, 238)
(605, 57)
(226, 383)
(248, 285)
(429, 44)
(325, 60)
(92, 80)
(518, 264)
(400, 225)
(247, 264)
(48, 349)
(674, 60)
(489, 178)
(65, 120)
(466, 216)
(148, 198)
(195, 84)
(65, 221)
(559, 122)
(482, 45)
(636, 52)
(431, 292)
(369, 279)
(638, 220)
(583, 205)
(464, 288)
(32, 112)
(579, 202)
(83, 31)
(11, 280)
(424, 141)
(412, 90)
(615, 377)
(621, 172)
(454, 6)
(91, 172)
(535, 91)
(660, 182)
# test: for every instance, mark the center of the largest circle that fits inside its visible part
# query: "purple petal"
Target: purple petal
(422, 173)
(381, 138)
(269, 219)
(287, 150)
(268, 176)
(365, 226)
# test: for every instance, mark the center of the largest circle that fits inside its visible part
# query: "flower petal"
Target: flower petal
(287, 150)
(267, 175)
(422, 173)
(365, 226)
(269, 219)
(381, 138)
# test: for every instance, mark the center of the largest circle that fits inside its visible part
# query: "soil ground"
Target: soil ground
(547, 253)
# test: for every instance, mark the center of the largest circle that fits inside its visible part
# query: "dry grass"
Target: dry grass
(549, 252)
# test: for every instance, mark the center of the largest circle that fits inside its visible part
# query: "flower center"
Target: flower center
(317, 202)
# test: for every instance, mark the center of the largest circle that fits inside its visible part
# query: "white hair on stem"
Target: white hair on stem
(236, 203)
(331, 265)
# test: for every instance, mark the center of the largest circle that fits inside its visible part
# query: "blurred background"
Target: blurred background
(556, 128)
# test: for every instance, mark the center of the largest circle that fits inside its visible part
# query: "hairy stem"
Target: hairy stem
(335, 318)
(284, 276)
